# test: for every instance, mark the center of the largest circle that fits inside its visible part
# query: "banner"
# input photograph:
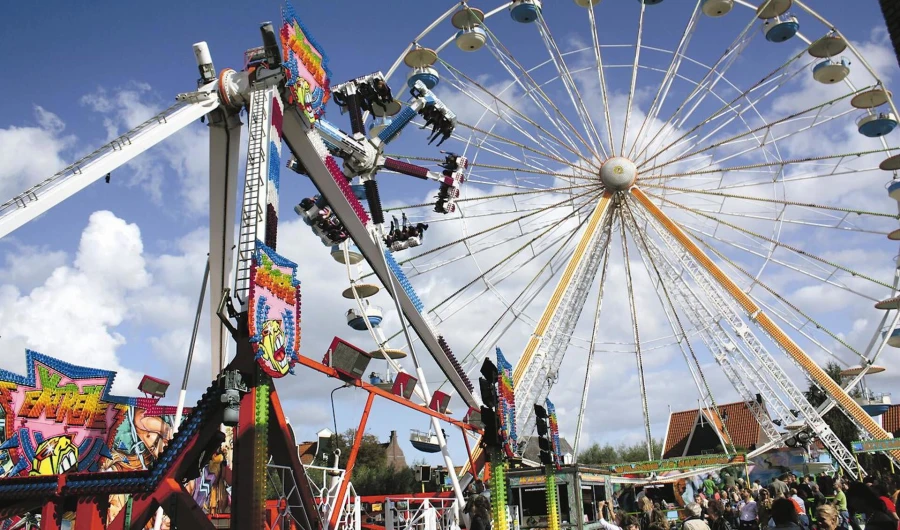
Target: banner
(274, 311)
(875, 446)
(679, 463)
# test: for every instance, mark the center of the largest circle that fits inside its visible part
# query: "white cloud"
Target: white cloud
(32, 153)
(75, 313)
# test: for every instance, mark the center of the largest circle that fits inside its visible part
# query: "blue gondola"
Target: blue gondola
(650, 2)
(525, 11)
(358, 322)
(425, 442)
(831, 71)
(780, 29)
(427, 75)
(876, 124)
(471, 39)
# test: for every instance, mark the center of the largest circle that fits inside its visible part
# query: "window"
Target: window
(534, 505)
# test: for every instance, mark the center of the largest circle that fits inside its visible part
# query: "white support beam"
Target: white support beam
(74, 178)
(296, 135)
(224, 148)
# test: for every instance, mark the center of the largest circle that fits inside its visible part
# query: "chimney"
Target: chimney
(393, 437)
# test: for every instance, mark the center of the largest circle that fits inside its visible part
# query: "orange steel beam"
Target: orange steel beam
(558, 293)
(818, 375)
(331, 372)
(357, 441)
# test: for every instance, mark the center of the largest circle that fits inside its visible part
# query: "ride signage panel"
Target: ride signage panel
(679, 463)
(274, 311)
(875, 446)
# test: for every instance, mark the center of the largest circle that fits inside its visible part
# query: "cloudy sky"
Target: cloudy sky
(110, 277)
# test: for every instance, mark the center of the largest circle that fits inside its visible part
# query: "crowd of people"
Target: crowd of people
(787, 503)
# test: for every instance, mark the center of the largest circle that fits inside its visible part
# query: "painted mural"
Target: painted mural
(61, 418)
(274, 311)
(308, 76)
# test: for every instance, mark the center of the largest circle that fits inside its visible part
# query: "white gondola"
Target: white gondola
(471, 36)
(426, 74)
(525, 11)
(891, 163)
(357, 320)
(894, 190)
(831, 71)
(717, 8)
(379, 124)
(773, 8)
(425, 442)
(894, 340)
(362, 290)
(828, 46)
(781, 28)
(876, 124)
(337, 252)
(871, 98)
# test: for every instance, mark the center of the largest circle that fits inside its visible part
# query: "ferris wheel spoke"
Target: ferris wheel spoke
(602, 78)
(500, 50)
(635, 330)
(666, 300)
(780, 164)
(571, 88)
(496, 227)
(560, 257)
(767, 127)
(707, 83)
(825, 277)
(779, 219)
(499, 114)
(571, 148)
(779, 76)
(670, 75)
(481, 277)
(634, 72)
(494, 196)
(835, 336)
(774, 242)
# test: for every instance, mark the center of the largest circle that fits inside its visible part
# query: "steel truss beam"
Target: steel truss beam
(712, 332)
(794, 352)
(533, 375)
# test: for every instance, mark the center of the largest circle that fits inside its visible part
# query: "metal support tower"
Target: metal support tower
(570, 297)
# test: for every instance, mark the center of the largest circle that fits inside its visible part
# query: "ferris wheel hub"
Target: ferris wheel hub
(618, 173)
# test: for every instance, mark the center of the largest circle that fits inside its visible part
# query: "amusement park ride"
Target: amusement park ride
(674, 191)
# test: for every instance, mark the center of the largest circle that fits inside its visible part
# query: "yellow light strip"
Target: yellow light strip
(850, 406)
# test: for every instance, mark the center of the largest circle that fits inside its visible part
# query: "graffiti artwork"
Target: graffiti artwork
(59, 418)
(306, 66)
(274, 311)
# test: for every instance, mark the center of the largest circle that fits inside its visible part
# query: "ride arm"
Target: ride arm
(304, 142)
(433, 110)
(46, 194)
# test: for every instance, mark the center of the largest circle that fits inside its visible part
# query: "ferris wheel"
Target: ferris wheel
(700, 209)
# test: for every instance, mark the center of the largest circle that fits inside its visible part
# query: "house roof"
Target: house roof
(741, 426)
(890, 421)
(307, 452)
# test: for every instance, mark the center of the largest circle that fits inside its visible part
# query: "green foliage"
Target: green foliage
(845, 430)
(371, 474)
(598, 454)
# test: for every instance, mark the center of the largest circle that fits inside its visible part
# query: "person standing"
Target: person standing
(800, 505)
(693, 520)
(827, 517)
(749, 513)
(716, 512)
(778, 487)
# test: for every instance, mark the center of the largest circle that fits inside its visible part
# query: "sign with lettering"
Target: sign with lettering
(274, 311)
(875, 446)
(679, 463)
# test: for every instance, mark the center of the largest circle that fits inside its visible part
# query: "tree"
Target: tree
(607, 454)
(371, 473)
(845, 429)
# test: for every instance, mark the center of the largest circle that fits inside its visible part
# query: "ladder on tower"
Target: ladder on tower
(252, 208)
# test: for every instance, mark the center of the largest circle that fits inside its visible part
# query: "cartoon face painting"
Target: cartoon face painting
(54, 456)
(272, 346)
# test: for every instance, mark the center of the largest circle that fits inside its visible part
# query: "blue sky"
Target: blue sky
(82, 75)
